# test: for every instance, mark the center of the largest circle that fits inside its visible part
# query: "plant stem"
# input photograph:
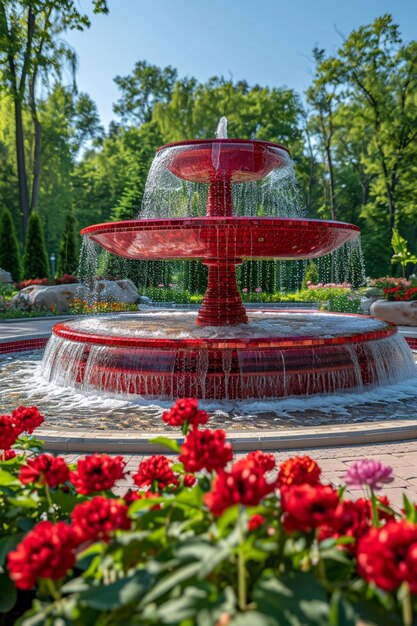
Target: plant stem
(50, 502)
(406, 606)
(374, 504)
(241, 568)
(50, 585)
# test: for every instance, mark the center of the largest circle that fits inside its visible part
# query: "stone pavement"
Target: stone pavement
(401, 456)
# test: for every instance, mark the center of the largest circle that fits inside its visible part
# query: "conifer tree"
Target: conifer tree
(68, 254)
(9, 247)
(35, 258)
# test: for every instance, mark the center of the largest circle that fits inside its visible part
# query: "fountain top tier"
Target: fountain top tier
(221, 239)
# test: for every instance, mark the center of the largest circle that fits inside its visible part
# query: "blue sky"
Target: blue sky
(268, 42)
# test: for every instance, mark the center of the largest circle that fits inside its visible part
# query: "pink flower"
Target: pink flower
(368, 472)
(160, 285)
(258, 290)
(245, 290)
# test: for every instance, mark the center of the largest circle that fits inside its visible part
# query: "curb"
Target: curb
(134, 442)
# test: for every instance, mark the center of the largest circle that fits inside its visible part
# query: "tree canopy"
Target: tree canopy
(352, 135)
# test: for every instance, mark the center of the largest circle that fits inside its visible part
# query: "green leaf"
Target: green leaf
(296, 599)
(178, 576)
(172, 444)
(120, 593)
(8, 593)
(253, 618)
(24, 502)
(7, 544)
(8, 480)
(341, 612)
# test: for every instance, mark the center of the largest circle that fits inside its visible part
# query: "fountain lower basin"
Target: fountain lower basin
(279, 354)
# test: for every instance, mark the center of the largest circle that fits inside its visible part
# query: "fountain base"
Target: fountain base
(278, 354)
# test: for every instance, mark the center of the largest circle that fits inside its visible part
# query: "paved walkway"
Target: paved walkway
(401, 456)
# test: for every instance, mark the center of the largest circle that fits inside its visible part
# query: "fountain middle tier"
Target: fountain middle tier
(278, 354)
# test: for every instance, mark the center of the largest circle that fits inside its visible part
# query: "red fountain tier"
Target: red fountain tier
(215, 363)
(221, 240)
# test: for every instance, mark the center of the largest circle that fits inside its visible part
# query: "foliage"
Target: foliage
(347, 302)
(203, 540)
(32, 51)
(401, 253)
(79, 307)
(311, 275)
(401, 293)
(68, 253)
(35, 258)
(9, 247)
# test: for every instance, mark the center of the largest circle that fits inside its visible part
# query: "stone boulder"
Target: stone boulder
(5, 277)
(58, 297)
(399, 313)
(116, 291)
(55, 297)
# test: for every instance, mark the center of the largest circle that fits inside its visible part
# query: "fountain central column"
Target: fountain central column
(222, 304)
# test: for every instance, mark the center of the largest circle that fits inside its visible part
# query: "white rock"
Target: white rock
(59, 297)
(5, 277)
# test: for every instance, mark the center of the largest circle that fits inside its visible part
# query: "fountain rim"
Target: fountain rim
(63, 331)
(173, 223)
(228, 140)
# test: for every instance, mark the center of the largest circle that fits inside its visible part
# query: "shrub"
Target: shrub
(68, 249)
(35, 258)
(9, 247)
(32, 281)
(203, 541)
(66, 279)
(311, 275)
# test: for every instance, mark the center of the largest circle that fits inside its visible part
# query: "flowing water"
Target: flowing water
(22, 382)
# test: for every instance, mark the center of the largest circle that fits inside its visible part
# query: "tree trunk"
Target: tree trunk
(333, 208)
(21, 166)
(37, 145)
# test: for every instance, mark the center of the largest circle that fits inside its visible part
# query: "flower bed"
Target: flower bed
(202, 540)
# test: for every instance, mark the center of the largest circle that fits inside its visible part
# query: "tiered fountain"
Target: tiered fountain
(224, 351)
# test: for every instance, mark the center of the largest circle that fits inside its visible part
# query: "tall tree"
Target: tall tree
(9, 247)
(68, 250)
(377, 71)
(322, 97)
(35, 258)
(30, 47)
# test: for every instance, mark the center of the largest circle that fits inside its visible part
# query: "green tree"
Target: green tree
(31, 49)
(9, 247)
(68, 250)
(35, 258)
(141, 90)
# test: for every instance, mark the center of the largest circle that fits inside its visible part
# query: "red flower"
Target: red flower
(388, 556)
(264, 460)
(189, 480)
(47, 551)
(244, 484)
(297, 471)
(185, 410)
(132, 495)
(97, 473)
(45, 469)
(27, 418)
(156, 469)
(308, 506)
(97, 518)
(350, 519)
(8, 454)
(205, 449)
(255, 521)
(8, 432)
